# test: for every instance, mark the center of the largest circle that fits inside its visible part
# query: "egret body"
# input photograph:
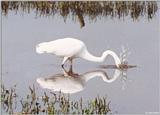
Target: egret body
(70, 48)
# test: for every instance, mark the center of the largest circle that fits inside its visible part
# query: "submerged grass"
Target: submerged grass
(79, 9)
(53, 104)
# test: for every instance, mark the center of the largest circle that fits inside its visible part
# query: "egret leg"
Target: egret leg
(71, 61)
(70, 72)
(63, 62)
(70, 69)
(65, 72)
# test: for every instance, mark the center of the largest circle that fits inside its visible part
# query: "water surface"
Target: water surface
(22, 66)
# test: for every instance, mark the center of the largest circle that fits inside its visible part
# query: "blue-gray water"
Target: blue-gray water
(22, 66)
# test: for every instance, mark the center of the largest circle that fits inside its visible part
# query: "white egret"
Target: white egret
(70, 82)
(70, 48)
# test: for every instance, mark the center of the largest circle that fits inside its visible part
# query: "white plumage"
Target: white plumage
(70, 48)
(72, 84)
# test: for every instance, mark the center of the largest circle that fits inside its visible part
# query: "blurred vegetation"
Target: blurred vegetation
(80, 9)
(54, 104)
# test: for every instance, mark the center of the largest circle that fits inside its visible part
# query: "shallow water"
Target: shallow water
(138, 94)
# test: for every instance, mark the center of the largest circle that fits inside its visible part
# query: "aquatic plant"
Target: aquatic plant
(80, 9)
(7, 98)
(54, 104)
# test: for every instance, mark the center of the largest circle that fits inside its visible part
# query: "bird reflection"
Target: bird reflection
(70, 82)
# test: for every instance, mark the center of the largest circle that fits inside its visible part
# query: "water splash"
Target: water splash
(124, 54)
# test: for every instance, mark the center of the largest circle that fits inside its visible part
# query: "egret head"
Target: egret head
(44, 48)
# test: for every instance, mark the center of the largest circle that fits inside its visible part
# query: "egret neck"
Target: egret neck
(86, 55)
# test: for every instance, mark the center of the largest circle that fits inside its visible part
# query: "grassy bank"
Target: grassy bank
(80, 9)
